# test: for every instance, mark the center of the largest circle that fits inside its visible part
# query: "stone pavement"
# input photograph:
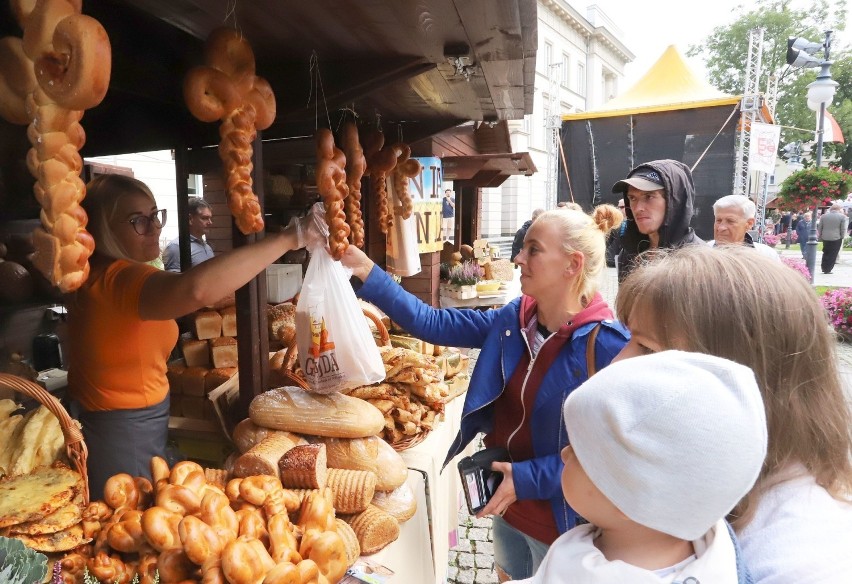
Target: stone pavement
(472, 560)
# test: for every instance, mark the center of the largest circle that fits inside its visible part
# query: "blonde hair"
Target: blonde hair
(103, 194)
(586, 234)
(735, 303)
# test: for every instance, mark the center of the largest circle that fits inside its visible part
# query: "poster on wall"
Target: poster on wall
(429, 184)
(426, 192)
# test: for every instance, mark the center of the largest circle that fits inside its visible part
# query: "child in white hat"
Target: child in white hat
(662, 448)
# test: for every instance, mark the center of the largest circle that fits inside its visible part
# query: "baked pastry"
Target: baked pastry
(304, 467)
(207, 324)
(223, 352)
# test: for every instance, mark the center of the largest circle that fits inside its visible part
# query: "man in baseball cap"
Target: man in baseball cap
(658, 197)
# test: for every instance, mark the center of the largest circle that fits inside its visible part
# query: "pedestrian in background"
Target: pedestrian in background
(803, 228)
(448, 214)
(200, 221)
(831, 230)
(518, 241)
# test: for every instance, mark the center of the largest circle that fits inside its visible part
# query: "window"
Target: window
(527, 124)
(566, 70)
(548, 57)
(581, 79)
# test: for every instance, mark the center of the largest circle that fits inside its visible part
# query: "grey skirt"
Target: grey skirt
(122, 441)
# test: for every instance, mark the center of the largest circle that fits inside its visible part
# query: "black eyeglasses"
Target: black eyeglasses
(142, 223)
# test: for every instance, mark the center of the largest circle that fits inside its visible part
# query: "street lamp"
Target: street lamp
(820, 95)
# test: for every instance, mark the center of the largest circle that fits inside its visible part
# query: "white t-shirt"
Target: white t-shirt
(800, 534)
(762, 248)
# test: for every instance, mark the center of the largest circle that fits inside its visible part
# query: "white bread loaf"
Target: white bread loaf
(195, 353)
(353, 489)
(223, 352)
(391, 470)
(173, 374)
(352, 453)
(207, 324)
(400, 502)
(216, 377)
(304, 467)
(192, 381)
(335, 415)
(229, 321)
(248, 434)
(263, 458)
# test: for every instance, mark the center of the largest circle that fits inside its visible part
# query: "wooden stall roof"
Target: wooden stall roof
(389, 59)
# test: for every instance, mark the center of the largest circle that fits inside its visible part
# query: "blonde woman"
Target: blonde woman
(795, 525)
(121, 322)
(533, 356)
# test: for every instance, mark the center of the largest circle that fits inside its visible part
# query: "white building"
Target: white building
(579, 66)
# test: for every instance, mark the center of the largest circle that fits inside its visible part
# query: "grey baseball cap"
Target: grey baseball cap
(644, 179)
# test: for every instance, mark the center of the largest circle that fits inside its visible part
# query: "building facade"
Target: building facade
(579, 66)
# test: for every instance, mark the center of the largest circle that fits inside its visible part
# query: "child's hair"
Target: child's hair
(735, 303)
(586, 234)
(103, 194)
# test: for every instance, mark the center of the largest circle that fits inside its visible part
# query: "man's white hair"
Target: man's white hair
(741, 202)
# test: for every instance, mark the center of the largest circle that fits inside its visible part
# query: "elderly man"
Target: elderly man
(831, 230)
(200, 220)
(734, 218)
(659, 201)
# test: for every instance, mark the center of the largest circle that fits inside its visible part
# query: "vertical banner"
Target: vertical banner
(763, 147)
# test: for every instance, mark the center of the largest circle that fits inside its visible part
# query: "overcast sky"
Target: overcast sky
(649, 26)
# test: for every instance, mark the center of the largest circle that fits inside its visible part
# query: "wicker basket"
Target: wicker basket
(409, 441)
(75, 448)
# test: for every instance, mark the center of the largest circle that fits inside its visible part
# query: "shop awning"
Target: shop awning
(668, 85)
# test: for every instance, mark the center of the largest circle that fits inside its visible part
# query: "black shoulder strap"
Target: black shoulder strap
(590, 350)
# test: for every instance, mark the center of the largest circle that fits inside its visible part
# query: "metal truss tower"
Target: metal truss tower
(749, 108)
(552, 128)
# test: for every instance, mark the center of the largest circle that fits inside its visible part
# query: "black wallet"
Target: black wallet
(478, 480)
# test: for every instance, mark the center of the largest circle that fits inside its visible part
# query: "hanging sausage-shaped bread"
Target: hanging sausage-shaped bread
(227, 89)
(356, 165)
(380, 161)
(406, 168)
(332, 187)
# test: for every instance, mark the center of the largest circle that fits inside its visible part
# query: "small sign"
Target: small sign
(427, 218)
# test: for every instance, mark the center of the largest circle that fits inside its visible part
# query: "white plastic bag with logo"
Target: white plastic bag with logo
(337, 351)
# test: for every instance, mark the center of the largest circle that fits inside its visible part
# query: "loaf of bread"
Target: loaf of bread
(391, 470)
(353, 489)
(192, 381)
(335, 415)
(229, 321)
(248, 434)
(400, 502)
(216, 377)
(173, 374)
(207, 324)
(352, 453)
(374, 528)
(281, 319)
(304, 467)
(195, 352)
(350, 540)
(223, 352)
(263, 458)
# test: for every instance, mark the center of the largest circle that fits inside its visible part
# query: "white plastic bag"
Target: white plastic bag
(336, 347)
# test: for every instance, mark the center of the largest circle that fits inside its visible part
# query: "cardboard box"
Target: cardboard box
(283, 282)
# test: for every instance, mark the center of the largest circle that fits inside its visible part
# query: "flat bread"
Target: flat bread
(62, 518)
(61, 541)
(36, 495)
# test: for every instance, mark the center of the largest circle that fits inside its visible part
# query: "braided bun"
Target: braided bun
(607, 218)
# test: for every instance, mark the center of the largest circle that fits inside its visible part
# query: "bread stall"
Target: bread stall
(379, 68)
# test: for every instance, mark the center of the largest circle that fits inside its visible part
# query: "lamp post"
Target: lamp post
(820, 95)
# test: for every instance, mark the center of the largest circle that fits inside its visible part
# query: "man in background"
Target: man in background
(734, 216)
(831, 230)
(200, 220)
(803, 227)
(448, 214)
(520, 234)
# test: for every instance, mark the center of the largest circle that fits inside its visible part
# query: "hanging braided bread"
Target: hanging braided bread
(60, 68)
(380, 161)
(227, 89)
(356, 164)
(332, 187)
(406, 168)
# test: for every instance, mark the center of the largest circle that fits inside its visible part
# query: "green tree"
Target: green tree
(725, 53)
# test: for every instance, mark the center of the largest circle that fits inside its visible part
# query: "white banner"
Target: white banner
(763, 147)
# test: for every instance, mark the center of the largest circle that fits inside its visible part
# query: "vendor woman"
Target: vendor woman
(122, 322)
(534, 353)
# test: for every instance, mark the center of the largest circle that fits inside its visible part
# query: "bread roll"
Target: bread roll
(400, 502)
(282, 316)
(304, 467)
(195, 353)
(223, 352)
(207, 324)
(263, 458)
(374, 528)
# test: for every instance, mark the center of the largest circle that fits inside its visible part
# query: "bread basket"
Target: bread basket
(291, 362)
(75, 448)
(410, 441)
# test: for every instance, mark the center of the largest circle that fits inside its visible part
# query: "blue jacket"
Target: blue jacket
(498, 333)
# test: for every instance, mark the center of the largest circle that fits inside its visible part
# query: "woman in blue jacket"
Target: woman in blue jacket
(533, 355)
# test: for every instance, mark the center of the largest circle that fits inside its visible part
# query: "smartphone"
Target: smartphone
(479, 482)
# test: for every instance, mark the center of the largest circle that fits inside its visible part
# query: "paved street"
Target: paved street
(472, 560)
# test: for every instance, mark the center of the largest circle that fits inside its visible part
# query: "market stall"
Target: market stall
(409, 71)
